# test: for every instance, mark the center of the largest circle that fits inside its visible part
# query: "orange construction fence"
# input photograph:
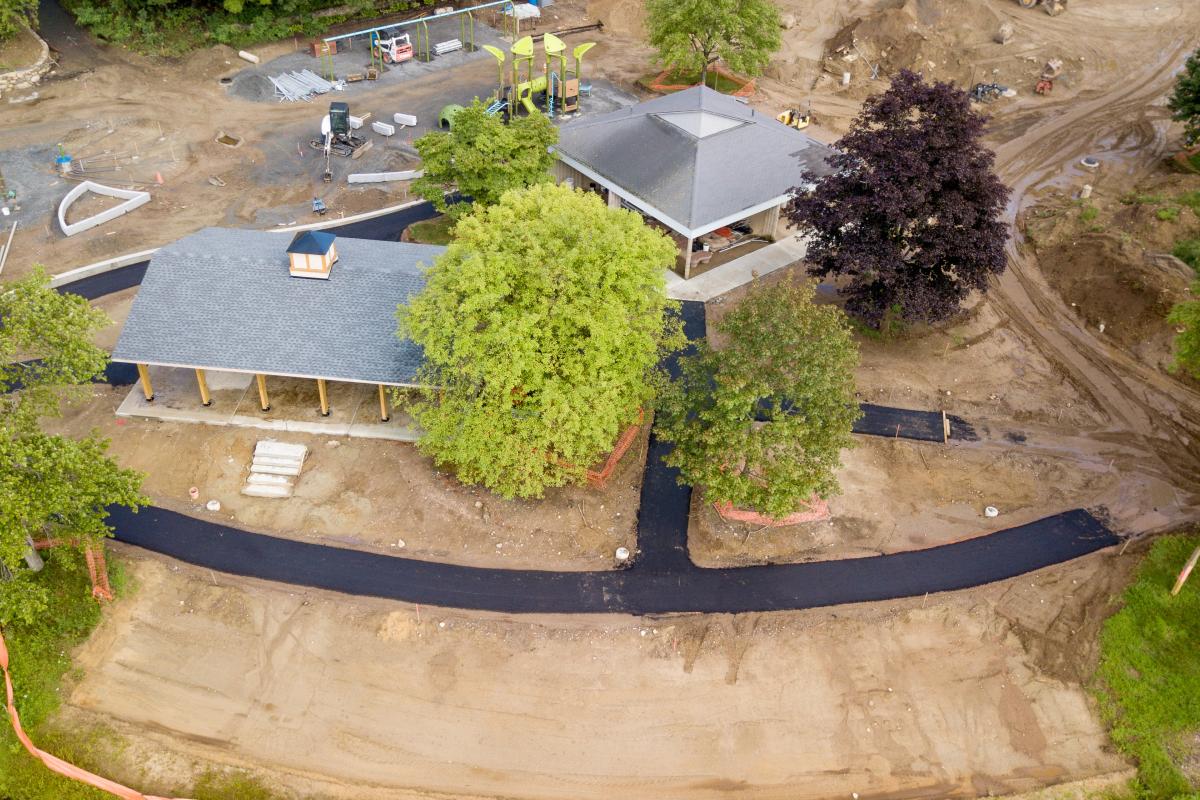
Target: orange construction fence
(598, 478)
(99, 587)
(97, 566)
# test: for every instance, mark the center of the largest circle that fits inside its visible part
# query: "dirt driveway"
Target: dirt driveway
(346, 697)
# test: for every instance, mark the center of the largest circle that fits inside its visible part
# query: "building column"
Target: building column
(687, 259)
(773, 223)
(614, 199)
(205, 399)
(263, 403)
(144, 376)
(324, 394)
(384, 412)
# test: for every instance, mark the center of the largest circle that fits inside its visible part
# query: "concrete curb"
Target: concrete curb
(110, 264)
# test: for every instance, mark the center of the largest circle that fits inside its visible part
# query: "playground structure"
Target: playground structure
(394, 41)
(556, 90)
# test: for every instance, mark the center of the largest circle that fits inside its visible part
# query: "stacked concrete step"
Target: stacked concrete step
(273, 469)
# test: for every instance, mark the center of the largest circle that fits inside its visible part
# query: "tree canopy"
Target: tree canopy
(1185, 100)
(14, 14)
(911, 214)
(691, 34)
(482, 157)
(761, 422)
(542, 326)
(51, 487)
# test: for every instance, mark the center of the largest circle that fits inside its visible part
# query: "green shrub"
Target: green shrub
(1168, 214)
(1088, 213)
(1188, 251)
(1191, 200)
(1148, 679)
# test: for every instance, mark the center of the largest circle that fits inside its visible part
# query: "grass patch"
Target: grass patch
(213, 785)
(40, 656)
(1191, 200)
(685, 77)
(1088, 213)
(1168, 214)
(439, 230)
(1134, 199)
(1188, 251)
(1148, 680)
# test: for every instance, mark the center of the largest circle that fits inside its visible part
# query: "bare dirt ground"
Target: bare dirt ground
(371, 495)
(956, 696)
(899, 495)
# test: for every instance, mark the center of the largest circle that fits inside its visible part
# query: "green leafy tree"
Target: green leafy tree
(542, 324)
(13, 15)
(51, 487)
(482, 157)
(1186, 317)
(761, 422)
(1185, 101)
(692, 34)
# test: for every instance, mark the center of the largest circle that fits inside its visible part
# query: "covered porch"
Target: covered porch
(267, 402)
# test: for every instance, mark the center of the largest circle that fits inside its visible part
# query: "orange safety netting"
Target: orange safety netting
(97, 566)
(54, 762)
(598, 478)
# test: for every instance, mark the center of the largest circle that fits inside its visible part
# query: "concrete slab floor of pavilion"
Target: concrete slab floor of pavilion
(299, 405)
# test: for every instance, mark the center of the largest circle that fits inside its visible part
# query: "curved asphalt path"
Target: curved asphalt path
(662, 578)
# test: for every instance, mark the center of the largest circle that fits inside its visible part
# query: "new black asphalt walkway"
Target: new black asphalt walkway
(662, 579)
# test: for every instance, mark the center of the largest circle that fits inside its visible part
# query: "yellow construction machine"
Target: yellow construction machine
(795, 118)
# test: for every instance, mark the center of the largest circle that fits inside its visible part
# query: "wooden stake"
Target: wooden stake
(383, 405)
(321, 390)
(263, 403)
(204, 397)
(1187, 570)
(147, 387)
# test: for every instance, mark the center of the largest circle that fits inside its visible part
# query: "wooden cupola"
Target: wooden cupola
(311, 254)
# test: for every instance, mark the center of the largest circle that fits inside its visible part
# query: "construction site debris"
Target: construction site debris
(303, 85)
(253, 59)
(1005, 34)
(215, 181)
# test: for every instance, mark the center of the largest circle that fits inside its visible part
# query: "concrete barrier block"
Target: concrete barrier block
(253, 59)
(133, 199)
(384, 177)
(383, 129)
(403, 120)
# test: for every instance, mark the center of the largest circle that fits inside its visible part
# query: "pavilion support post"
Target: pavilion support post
(144, 377)
(263, 402)
(205, 398)
(323, 391)
(687, 259)
(384, 412)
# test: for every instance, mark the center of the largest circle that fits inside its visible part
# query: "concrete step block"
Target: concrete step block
(278, 492)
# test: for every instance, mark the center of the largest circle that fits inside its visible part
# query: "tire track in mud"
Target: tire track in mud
(1159, 414)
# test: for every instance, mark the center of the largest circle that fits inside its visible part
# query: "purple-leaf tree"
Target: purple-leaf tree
(910, 216)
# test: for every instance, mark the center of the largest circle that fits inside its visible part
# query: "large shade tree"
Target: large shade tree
(1185, 100)
(51, 487)
(692, 34)
(482, 157)
(761, 422)
(910, 217)
(542, 326)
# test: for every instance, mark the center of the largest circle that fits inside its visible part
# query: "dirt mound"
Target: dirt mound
(929, 36)
(622, 17)
(1116, 288)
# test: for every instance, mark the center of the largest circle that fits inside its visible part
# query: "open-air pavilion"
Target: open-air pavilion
(255, 303)
(696, 162)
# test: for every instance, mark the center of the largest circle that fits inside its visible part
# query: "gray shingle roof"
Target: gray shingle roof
(223, 299)
(694, 180)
